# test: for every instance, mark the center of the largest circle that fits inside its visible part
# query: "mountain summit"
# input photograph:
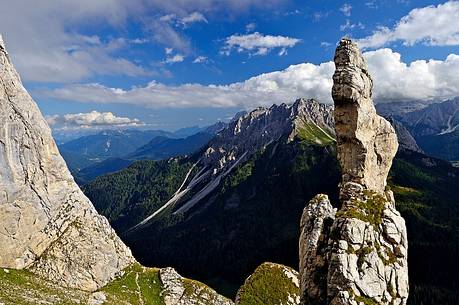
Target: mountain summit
(240, 140)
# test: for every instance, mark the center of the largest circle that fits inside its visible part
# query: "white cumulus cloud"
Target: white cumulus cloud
(281, 86)
(256, 43)
(418, 80)
(394, 80)
(90, 120)
(431, 25)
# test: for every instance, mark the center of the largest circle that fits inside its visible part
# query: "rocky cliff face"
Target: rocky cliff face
(46, 223)
(406, 142)
(366, 142)
(253, 131)
(358, 254)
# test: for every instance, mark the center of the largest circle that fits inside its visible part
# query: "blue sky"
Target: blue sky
(169, 64)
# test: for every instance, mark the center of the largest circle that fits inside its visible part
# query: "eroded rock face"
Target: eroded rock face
(181, 291)
(357, 255)
(316, 222)
(367, 143)
(46, 223)
(369, 250)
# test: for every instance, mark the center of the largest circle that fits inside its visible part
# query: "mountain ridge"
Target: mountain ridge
(265, 196)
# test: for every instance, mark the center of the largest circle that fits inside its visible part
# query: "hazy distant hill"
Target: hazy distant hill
(162, 147)
(435, 126)
(86, 166)
(109, 144)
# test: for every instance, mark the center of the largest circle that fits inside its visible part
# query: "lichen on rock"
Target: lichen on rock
(357, 255)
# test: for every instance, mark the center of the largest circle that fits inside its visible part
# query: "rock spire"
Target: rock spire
(367, 143)
(47, 224)
(358, 254)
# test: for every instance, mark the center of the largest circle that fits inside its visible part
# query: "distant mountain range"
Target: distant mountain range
(106, 144)
(431, 128)
(244, 192)
(435, 126)
(165, 147)
(109, 151)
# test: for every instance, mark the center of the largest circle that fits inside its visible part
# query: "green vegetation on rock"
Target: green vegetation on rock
(311, 133)
(22, 287)
(369, 210)
(270, 284)
(129, 196)
(139, 285)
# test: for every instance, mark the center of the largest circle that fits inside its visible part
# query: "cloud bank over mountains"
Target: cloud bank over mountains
(394, 80)
(431, 25)
(90, 120)
(65, 62)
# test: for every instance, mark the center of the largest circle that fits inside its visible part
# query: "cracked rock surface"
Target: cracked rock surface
(367, 143)
(358, 254)
(181, 291)
(46, 223)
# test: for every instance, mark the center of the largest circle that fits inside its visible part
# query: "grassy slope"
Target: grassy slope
(138, 286)
(22, 287)
(269, 285)
(128, 196)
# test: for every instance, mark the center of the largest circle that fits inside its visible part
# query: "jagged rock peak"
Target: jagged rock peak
(46, 223)
(367, 143)
(357, 255)
(262, 126)
(405, 140)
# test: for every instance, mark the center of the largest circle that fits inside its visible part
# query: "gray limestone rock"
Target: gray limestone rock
(46, 223)
(367, 143)
(181, 291)
(358, 255)
(316, 222)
